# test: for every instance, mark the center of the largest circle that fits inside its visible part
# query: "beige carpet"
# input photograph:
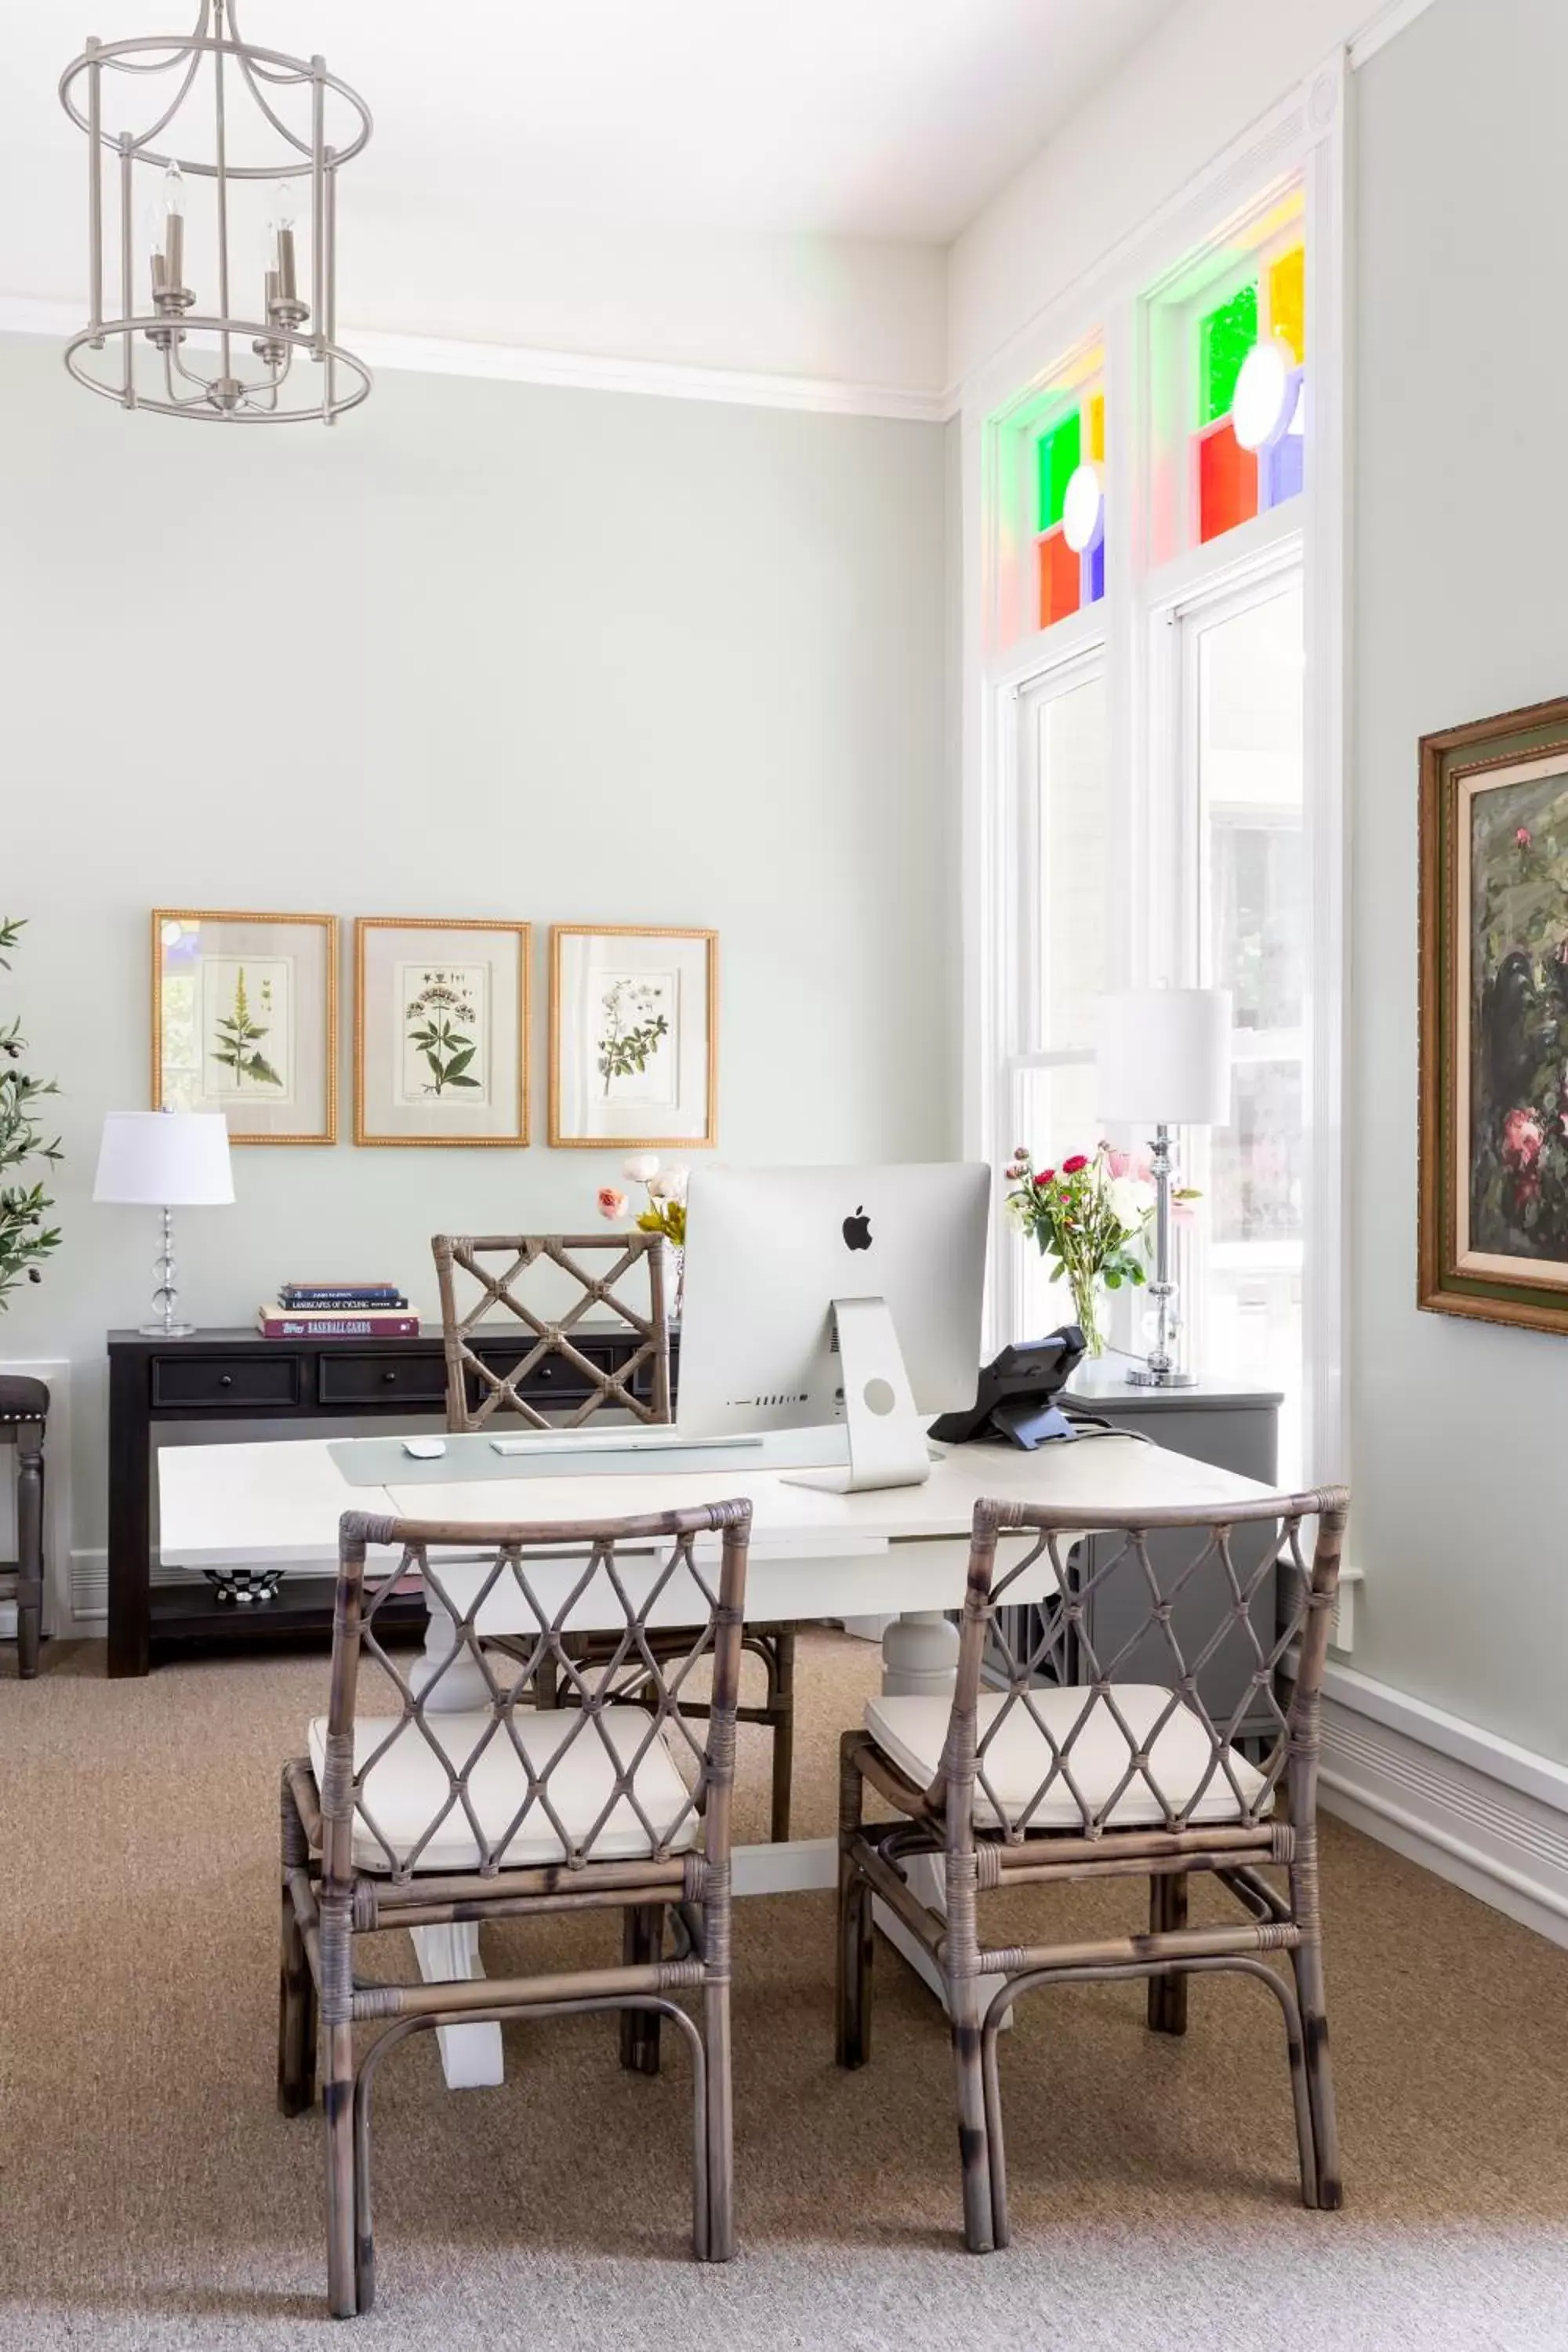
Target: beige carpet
(151, 2194)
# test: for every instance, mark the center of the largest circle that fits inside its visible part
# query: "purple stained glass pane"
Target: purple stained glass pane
(1283, 470)
(1094, 572)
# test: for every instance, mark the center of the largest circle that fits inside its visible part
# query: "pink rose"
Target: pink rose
(1523, 837)
(612, 1205)
(1521, 1138)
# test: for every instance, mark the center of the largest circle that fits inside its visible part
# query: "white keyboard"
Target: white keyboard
(615, 1441)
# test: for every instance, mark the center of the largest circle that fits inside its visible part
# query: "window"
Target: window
(1155, 772)
(1242, 660)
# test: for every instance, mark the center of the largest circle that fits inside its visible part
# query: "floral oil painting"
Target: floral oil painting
(634, 1036)
(244, 1022)
(1518, 957)
(1493, 1194)
(441, 1030)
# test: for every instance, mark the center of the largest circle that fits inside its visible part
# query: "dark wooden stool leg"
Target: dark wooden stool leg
(782, 1707)
(30, 1545)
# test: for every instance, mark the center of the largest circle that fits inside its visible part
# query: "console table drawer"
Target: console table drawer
(414, 1381)
(230, 1383)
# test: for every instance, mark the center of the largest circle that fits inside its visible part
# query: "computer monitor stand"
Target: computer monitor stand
(886, 1437)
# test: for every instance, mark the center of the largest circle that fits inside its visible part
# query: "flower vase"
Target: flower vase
(674, 1279)
(1086, 1312)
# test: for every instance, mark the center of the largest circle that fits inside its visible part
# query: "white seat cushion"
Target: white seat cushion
(407, 1788)
(910, 1732)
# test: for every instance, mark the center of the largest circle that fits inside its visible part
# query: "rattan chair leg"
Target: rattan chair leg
(296, 2018)
(1167, 1912)
(364, 2235)
(343, 2298)
(964, 2009)
(720, 2126)
(854, 1940)
(781, 1707)
(995, 2146)
(1307, 1960)
(642, 1941)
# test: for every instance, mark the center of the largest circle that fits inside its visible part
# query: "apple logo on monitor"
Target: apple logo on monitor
(857, 1230)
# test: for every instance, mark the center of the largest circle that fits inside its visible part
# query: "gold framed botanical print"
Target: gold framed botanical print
(441, 1032)
(244, 1021)
(634, 1036)
(1494, 989)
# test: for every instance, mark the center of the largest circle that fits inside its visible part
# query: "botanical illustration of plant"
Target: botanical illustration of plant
(239, 1046)
(630, 1029)
(24, 1236)
(1518, 1020)
(439, 1024)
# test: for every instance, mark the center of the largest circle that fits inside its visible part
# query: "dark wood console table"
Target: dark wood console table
(237, 1375)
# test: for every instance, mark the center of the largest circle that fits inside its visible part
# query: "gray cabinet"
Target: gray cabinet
(1235, 1429)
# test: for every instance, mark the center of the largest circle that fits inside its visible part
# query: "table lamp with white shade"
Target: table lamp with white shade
(1163, 1061)
(165, 1160)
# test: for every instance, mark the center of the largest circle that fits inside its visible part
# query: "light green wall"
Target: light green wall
(483, 649)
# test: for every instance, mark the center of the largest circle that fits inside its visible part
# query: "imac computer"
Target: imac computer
(823, 1296)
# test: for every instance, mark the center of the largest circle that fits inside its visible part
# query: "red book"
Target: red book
(334, 1323)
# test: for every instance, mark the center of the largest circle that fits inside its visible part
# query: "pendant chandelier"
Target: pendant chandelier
(231, 188)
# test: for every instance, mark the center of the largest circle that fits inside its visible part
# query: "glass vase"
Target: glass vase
(1086, 1305)
(674, 1279)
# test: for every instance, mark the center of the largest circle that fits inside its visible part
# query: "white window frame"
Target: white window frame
(1303, 140)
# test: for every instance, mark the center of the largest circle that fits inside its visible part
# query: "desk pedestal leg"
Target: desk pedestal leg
(919, 1660)
(470, 2054)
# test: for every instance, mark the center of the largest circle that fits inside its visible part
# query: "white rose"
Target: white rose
(642, 1167)
(670, 1185)
(1131, 1202)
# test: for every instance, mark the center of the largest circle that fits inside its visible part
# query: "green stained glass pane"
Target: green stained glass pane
(1058, 460)
(1226, 336)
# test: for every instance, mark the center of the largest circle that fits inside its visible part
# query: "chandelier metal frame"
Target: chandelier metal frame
(286, 333)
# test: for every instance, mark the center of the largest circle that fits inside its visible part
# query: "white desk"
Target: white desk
(900, 1553)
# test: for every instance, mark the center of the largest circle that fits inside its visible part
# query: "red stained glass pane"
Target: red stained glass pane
(1228, 482)
(1060, 574)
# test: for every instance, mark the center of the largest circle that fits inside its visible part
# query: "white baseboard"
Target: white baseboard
(1475, 1809)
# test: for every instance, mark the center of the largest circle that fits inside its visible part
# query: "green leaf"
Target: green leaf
(456, 1080)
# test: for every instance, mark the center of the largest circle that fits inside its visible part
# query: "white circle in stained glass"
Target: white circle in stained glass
(1083, 508)
(1257, 411)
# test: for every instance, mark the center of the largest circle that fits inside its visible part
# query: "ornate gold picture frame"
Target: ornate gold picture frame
(244, 1021)
(634, 1038)
(441, 1032)
(1494, 997)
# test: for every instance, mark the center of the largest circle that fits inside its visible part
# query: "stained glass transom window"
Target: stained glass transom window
(1069, 509)
(1248, 445)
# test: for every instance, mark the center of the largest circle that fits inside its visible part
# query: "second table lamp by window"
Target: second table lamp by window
(1163, 1061)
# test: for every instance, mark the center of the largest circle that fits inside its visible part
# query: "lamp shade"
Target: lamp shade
(1164, 1057)
(164, 1160)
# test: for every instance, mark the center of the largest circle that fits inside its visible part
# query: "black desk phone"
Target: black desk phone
(1016, 1397)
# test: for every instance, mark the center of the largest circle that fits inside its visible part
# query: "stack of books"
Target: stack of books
(338, 1310)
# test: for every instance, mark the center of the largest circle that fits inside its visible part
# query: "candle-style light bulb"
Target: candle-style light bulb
(285, 211)
(168, 230)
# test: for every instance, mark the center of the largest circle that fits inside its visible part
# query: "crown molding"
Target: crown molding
(1382, 27)
(577, 371)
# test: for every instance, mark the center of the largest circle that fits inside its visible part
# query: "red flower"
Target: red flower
(1070, 1167)
(1044, 1176)
(1523, 837)
(1521, 1138)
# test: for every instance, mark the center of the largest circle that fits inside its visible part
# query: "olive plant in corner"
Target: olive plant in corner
(24, 1236)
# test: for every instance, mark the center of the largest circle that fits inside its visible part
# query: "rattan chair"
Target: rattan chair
(561, 1345)
(1035, 1775)
(402, 1815)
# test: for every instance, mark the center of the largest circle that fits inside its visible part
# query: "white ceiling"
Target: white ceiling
(508, 121)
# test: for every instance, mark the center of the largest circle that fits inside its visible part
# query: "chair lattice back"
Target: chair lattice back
(1198, 1594)
(502, 1391)
(572, 1785)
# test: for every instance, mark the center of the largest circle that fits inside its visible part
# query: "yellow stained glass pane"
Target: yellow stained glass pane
(1097, 428)
(1288, 300)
